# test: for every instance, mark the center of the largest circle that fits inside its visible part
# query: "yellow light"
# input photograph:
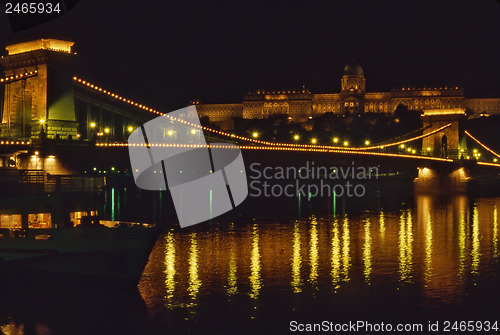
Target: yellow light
(414, 151)
(346, 143)
(296, 137)
(130, 129)
(314, 141)
(428, 149)
(367, 142)
(36, 153)
(92, 125)
(42, 121)
(475, 150)
(402, 146)
(106, 130)
(255, 134)
(335, 140)
(193, 131)
(495, 160)
(170, 133)
(409, 149)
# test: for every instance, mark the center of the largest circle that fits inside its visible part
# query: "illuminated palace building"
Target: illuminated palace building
(301, 105)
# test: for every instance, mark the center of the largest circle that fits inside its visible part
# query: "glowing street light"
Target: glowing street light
(193, 131)
(170, 133)
(335, 140)
(130, 129)
(42, 121)
(106, 130)
(367, 142)
(313, 141)
(92, 125)
(296, 137)
(346, 143)
(255, 134)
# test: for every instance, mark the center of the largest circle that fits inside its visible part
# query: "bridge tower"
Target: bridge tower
(447, 143)
(38, 98)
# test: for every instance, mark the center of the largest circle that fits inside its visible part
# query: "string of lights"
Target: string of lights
(247, 139)
(15, 143)
(252, 147)
(481, 144)
(18, 76)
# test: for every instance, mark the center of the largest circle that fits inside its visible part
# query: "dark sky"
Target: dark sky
(164, 53)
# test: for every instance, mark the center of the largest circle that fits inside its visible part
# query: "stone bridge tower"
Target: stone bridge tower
(447, 143)
(38, 90)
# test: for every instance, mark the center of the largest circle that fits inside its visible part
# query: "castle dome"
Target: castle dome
(353, 69)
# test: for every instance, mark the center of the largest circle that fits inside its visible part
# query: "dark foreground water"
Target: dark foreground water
(414, 260)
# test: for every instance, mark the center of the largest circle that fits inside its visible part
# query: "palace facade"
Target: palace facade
(301, 105)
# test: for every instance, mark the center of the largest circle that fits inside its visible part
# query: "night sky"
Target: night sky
(165, 53)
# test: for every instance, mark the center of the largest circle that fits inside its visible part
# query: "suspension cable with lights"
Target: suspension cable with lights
(481, 144)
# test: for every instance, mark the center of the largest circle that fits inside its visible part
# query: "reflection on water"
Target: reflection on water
(313, 251)
(170, 265)
(194, 280)
(336, 254)
(433, 255)
(255, 276)
(405, 246)
(436, 247)
(367, 251)
(296, 259)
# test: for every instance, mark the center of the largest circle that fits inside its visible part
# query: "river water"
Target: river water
(391, 258)
(432, 259)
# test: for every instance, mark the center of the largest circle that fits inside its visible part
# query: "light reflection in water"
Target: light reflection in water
(428, 248)
(405, 246)
(335, 255)
(422, 248)
(113, 204)
(495, 232)
(170, 265)
(232, 277)
(367, 252)
(255, 267)
(382, 225)
(296, 259)
(12, 329)
(476, 246)
(194, 282)
(429, 236)
(313, 251)
(462, 239)
(346, 250)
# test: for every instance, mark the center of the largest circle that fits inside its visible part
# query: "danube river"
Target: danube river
(390, 258)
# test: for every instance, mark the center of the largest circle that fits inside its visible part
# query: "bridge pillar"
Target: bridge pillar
(449, 142)
(442, 179)
(38, 90)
